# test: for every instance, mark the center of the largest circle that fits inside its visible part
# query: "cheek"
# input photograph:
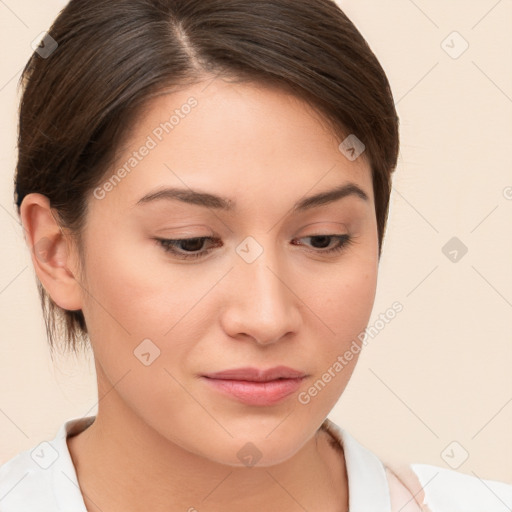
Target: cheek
(132, 290)
(342, 303)
(142, 309)
(137, 312)
(343, 298)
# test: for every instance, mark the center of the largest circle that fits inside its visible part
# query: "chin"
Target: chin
(258, 450)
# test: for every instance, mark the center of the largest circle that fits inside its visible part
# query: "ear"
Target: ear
(53, 254)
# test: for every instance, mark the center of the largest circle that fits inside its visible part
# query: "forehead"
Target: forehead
(246, 141)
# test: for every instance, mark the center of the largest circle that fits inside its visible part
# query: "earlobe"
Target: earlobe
(51, 252)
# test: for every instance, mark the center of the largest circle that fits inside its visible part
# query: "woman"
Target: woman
(204, 187)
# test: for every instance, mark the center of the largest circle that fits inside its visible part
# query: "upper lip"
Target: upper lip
(257, 375)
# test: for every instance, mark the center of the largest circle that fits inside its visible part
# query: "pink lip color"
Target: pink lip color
(257, 393)
(257, 387)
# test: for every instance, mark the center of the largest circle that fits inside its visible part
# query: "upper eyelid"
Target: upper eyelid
(318, 231)
(216, 238)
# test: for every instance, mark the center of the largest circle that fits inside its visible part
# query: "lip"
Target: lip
(256, 375)
(254, 386)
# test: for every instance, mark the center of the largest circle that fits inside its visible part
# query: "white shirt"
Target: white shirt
(43, 479)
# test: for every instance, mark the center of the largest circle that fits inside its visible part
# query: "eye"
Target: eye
(325, 241)
(189, 246)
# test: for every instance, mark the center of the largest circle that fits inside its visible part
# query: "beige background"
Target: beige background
(440, 371)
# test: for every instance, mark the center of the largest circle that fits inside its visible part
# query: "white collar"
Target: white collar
(368, 489)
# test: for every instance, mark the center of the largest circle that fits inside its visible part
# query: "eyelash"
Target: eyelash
(168, 245)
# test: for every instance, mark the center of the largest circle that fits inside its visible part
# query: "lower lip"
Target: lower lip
(257, 393)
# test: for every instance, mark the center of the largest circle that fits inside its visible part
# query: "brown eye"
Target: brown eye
(321, 241)
(186, 247)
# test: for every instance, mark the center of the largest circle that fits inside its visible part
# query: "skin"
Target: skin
(162, 425)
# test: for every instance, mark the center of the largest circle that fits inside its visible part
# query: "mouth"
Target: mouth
(254, 386)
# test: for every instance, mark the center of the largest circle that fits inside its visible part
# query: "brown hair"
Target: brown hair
(111, 56)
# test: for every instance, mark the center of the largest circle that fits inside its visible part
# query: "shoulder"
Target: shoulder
(24, 485)
(438, 489)
(43, 478)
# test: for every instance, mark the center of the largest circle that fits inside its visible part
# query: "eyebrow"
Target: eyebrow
(216, 202)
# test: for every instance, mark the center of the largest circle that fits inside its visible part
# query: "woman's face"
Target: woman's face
(270, 284)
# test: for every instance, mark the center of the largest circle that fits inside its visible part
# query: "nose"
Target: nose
(261, 303)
